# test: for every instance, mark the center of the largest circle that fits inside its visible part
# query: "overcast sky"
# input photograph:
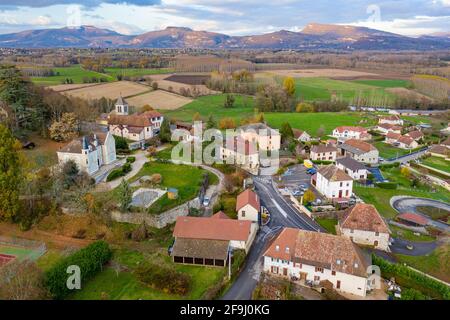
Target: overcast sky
(234, 17)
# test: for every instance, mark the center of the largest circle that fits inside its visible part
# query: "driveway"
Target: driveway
(409, 204)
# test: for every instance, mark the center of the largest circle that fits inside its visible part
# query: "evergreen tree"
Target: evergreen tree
(286, 131)
(164, 134)
(125, 195)
(10, 174)
(211, 123)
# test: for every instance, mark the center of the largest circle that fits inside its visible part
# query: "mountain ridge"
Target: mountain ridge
(313, 36)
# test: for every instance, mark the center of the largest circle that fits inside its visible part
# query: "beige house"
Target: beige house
(364, 225)
(242, 153)
(319, 258)
(333, 183)
(359, 150)
(405, 142)
(248, 206)
(384, 128)
(348, 132)
(391, 119)
(355, 169)
(323, 152)
(265, 137)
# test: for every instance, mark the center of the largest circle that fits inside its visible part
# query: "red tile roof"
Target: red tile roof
(416, 134)
(220, 215)
(319, 249)
(413, 217)
(212, 228)
(393, 135)
(350, 128)
(406, 140)
(363, 217)
(333, 173)
(361, 145)
(247, 197)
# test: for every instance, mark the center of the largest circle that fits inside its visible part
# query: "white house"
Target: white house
(392, 137)
(241, 152)
(385, 128)
(417, 135)
(360, 151)
(323, 152)
(355, 169)
(349, 132)
(364, 225)
(90, 152)
(405, 142)
(135, 127)
(248, 206)
(333, 182)
(301, 136)
(318, 257)
(391, 119)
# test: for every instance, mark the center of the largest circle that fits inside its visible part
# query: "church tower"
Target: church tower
(121, 107)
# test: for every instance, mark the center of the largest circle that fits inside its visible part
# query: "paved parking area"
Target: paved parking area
(296, 176)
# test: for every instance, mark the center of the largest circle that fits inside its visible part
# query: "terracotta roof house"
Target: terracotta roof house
(392, 137)
(406, 142)
(413, 219)
(220, 215)
(301, 135)
(360, 151)
(364, 225)
(333, 183)
(416, 134)
(248, 206)
(391, 119)
(218, 231)
(349, 132)
(242, 152)
(323, 152)
(317, 257)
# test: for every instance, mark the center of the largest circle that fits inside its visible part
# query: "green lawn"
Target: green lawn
(437, 163)
(311, 89)
(387, 151)
(394, 175)
(437, 263)
(125, 286)
(186, 179)
(385, 83)
(76, 73)
(328, 224)
(409, 235)
(48, 260)
(380, 197)
(134, 72)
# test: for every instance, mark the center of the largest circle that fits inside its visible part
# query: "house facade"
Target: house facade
(355, 169)
(359, 150)
(363, 225)
(385, 128)
(317, 257)
(90, 152)
(301, 136)
(323, 152)
(136, 127)
(241, 152)
(265, 137)
(248, 206)
(391, 119)
(347, 132)
(333, 182)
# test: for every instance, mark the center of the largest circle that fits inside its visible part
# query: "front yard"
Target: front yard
(187, 179)
(387, 151)
(327, 224)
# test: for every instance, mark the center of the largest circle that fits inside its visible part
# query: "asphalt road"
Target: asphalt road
(407, 158)
(282, 215)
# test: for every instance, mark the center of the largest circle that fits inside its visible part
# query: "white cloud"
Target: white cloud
(42, 21)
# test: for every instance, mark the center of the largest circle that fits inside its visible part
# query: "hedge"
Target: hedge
(387, 185)
(131, 159)
(324, 162)
(418, 279)
(115, 174)
(389, 165)
(90, 260)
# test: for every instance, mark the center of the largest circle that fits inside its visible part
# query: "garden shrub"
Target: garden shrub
(90, 260)
(164, 278)
(121, 143)
(414, 277)
(126, 168)
(115, 174)
(131, 159)
(324, 162)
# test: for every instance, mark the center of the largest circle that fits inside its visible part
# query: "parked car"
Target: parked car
(206, 201)
(409, 246)
(297, 193)
(311, 171)
(302, 187)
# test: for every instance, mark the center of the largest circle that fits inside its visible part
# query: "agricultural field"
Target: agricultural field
(109, 90)
(386, 83)
(135, 72)
(320, 73)
(437, 163)
(75, 73)
(159, 99)
(181, 83)
(67, 87)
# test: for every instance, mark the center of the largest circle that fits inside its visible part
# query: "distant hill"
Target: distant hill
(314, 37)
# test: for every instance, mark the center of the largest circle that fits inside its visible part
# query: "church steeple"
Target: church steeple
(121, 106)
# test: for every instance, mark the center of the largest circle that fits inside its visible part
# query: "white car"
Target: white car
(206, 201)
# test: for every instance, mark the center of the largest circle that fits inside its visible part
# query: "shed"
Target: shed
(413, 219)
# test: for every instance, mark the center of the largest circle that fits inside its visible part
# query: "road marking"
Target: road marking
(279, 208)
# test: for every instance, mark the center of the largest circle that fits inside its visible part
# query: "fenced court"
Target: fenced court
(21, 249)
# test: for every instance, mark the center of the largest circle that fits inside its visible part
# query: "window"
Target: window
(333, 273)
(316, 278)
(351, 230)
(377, 234)
(243, 213)
(340, 184)
(287, 249)
(319, 269)
(277, 248)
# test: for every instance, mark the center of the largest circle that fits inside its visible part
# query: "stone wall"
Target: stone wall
(158, 221)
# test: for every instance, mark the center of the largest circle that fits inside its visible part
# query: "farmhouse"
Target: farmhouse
(248, 206)
(241, 152)
(360, 151)
(333, 183)
(385, 128)
(301, 136)
(208, 241)
(364, 225)
(391, 119)
(323, 152)
(135, 127)
(417, 135)
(90, 152)
(405, 142)
(265, 137)
(347, 132)
(355, 169)
(392, 137)
(318, 258)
